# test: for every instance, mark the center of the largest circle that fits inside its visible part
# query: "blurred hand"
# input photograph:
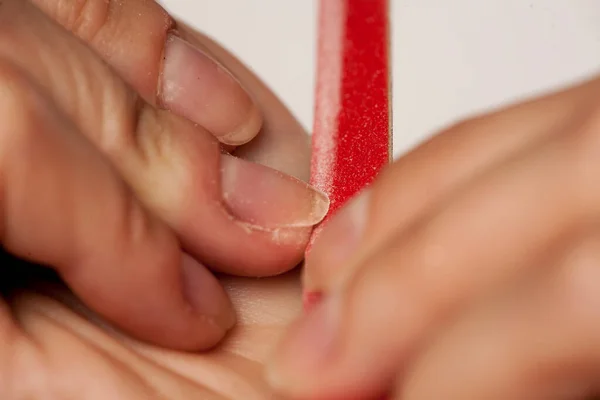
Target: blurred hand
(469, 270)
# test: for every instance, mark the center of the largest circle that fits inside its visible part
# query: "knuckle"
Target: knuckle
(139, 134)
(105, 20)
(114, 133)
(85, 18)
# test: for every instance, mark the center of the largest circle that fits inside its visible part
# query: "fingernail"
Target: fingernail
(205, 294)
(268, 199)
(308, 347)
(340, 237)
(198, 88)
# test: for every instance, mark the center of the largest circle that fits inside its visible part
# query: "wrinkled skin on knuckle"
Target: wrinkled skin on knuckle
(85, 18)
(101, 20)
(69, 72)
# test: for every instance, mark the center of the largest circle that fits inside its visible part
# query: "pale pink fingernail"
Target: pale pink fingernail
(205, 294)
(265, 198)
(198, 88)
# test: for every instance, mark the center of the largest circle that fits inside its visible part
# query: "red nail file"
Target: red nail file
(352, 135)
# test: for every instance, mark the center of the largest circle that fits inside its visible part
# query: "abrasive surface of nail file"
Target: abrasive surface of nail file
(352, 133)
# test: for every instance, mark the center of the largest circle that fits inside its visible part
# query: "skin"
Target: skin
(130, 150)
(469, 270)
(60, 349)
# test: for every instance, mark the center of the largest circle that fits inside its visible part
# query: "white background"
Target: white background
(451, 58)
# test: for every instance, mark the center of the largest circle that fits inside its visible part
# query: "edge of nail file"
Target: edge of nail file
(352, 131)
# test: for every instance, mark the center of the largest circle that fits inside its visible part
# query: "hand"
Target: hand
(62, 350)
(93, 170)
(111, 172)
(469, 270)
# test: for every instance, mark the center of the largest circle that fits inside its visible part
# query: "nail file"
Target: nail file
(352, 132)
(352, 135)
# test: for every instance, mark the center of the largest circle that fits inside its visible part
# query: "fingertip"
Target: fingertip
(208, 298)
(198, 88)
(190, 313)
(247, 129)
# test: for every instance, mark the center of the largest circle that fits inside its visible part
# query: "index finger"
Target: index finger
(141, 41)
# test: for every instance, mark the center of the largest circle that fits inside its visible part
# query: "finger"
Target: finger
(283, 143)
(139, 39)
(64, 206)
(536, 341)
(481, 237)
(73, 355)
(427, 176)
(236, 216)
